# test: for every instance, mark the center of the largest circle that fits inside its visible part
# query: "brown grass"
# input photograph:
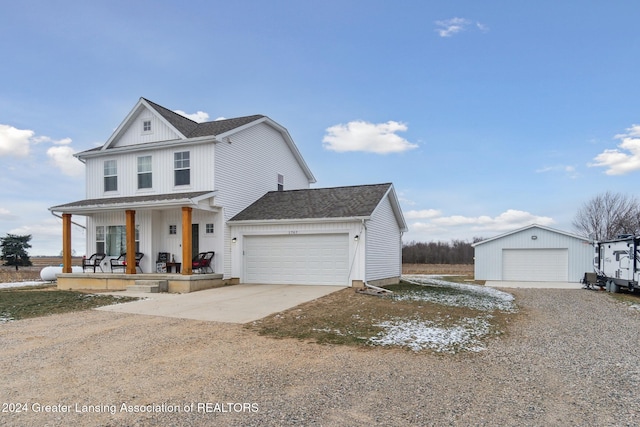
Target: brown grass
(8, 274)
(348, 317)
(455, 269)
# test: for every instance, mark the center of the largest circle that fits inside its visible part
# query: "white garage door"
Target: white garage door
(535, 265)
(305, 259)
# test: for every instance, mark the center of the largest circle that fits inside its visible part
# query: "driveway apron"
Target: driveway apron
(230, 304)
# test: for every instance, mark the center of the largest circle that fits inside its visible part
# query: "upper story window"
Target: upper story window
(144, 172)
(182, 168)
(110, 175)
(146, 126)
(280, 182)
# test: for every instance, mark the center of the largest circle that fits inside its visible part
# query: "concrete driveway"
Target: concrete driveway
(230, 304)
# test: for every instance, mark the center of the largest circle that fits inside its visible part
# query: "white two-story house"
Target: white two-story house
(237, 187)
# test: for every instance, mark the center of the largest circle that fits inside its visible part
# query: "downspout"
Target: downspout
(74, 223)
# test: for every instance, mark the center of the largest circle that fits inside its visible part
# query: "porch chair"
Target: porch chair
(93, 261)
(202, 262)
(121, 261)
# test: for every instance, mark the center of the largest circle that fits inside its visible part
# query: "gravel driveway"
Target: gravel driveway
(568, 359)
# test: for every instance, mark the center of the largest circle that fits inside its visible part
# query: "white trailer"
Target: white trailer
(617, 263)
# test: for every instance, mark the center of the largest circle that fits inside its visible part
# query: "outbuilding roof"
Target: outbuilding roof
(337, 202)
(553, 230)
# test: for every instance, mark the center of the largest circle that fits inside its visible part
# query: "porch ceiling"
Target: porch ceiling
(198, 200)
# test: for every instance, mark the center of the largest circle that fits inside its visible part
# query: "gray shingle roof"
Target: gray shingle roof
(192, 129)
(125, 200)
(337, 202)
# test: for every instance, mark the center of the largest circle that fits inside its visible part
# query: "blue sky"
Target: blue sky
(487, 116)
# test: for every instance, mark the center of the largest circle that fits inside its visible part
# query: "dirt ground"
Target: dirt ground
(98, 368)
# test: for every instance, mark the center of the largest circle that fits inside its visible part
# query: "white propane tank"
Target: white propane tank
(48, 274)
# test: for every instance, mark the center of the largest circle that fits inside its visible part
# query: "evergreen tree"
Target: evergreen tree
(14, 250)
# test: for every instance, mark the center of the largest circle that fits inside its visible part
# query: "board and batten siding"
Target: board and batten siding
(135, 134)
(489, 255)
(383, 244)
(251, 162)
(202, 159)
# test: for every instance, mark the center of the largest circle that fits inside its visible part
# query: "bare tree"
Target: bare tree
(608, 215)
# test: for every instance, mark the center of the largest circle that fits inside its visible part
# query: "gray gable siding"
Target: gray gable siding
(383, 244)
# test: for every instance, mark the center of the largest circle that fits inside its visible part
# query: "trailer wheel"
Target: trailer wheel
(612, 287)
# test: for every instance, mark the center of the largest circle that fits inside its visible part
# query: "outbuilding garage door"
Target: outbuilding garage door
(305, 259)
(535, 265)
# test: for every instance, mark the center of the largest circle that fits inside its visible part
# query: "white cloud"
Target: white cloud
(6, 215)
(569, 171)
(62, 157)
(450, 27)
(424, 213)
(378, 138)
(625, 158)
(41, 139)
(445, 228)
(198, 117)
(14, 142)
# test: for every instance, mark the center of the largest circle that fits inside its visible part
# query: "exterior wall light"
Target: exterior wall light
(234, 240)
(356, 238)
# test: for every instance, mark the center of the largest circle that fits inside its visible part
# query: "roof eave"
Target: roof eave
(553, 230)
(297, 220)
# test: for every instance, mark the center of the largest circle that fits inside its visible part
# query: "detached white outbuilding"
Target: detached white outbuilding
(534, 254)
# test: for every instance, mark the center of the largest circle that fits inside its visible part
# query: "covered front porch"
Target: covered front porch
(148, 226)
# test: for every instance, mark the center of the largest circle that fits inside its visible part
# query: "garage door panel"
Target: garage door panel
(538, 265)
(297, 259)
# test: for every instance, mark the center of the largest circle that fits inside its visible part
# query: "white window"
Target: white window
(100, 239)
(209, 228)
(182, 168)
(116, 240)
(110, 175)
(144, 172)
(146, 126)
(173, 229)
(280, 182)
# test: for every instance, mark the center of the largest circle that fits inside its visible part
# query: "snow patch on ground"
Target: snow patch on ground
(421, 335)
(452, 294)
(23, 284)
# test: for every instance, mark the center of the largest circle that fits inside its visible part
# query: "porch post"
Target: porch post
(186, 241)
(66, 243)
(131, 241)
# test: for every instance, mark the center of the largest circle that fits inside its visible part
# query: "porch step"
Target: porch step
(149, 286)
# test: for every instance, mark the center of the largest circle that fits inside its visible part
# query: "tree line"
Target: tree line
(454, 252)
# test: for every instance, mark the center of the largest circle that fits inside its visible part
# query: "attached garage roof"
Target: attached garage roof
(338, 202)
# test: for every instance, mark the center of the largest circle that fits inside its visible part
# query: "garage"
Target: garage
(304, 259)
(535, 253)
(542, 265)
